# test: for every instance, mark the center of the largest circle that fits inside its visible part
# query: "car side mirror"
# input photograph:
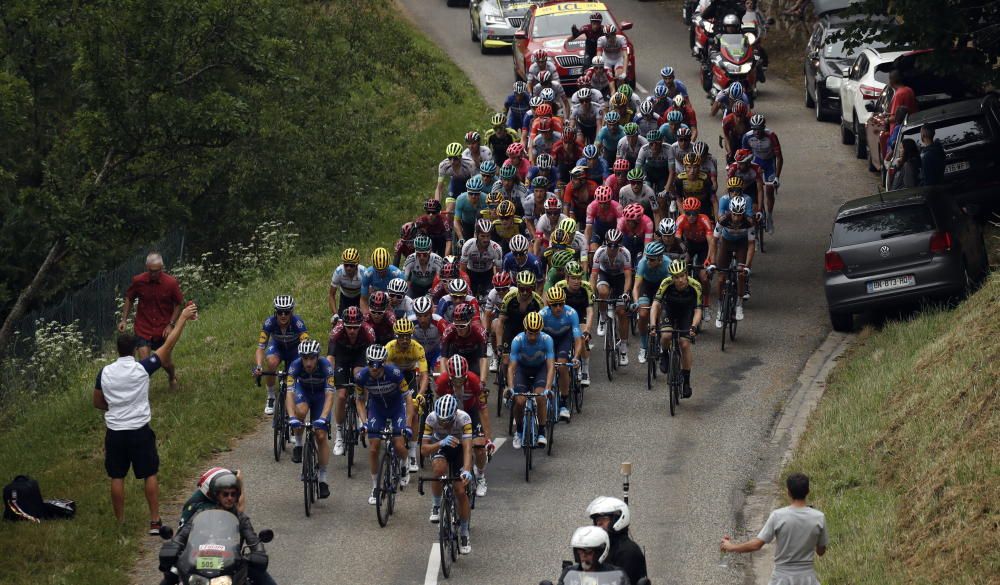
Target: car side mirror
(626, 25)
(166, 532)
(870, 106)
(266, 535)
(520, 35)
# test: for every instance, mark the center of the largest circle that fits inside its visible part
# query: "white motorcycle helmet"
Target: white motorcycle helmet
(613, 507)
(591, 537)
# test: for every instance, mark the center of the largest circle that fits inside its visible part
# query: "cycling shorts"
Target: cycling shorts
(380, 412)
(344, 375)
(598, 231)
(729, 247)
(766, 165)
(345, 302)
(681, 318)
(697, 252)
(432, 358)
(455, 456)
(482, 282)
(647, 292)
(529, 378)
(563, 346)
(315, 400)
(284, 355)
(614, 281)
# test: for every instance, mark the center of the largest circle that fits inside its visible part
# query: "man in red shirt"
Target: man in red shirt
(902, 98)
(160, 304)
(467, 387)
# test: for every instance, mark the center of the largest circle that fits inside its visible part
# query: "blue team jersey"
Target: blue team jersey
(650, 274)
(390, 388)
(531, 264)
(609, 138)
(568, 322)
(598, 172)
(529, 354)
(681, 88)
(285, 341)
(372, 280)
(552, 175)
(319, 380)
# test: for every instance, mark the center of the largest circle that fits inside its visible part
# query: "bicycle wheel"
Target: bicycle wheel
(526, 443)
(420, 436)
(286, 431)
(724, 307)
(676, 380)
(609, 350)
(652, 362)
(444, 536)
(394, 463)
(455, 529)
(350, 437)
(759, 236)
(577, 394)
(732, 324)
(550, 428)
(381, 489)
(277, 432)
(307, 471)
(501, 385)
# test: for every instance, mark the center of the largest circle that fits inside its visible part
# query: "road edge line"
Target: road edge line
(433, 565)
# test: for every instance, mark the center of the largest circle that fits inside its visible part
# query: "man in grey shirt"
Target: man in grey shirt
(800, 532)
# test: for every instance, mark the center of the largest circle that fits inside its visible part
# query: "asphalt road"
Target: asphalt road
(689, 472)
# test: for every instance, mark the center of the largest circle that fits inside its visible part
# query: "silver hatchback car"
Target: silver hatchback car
(900, 247)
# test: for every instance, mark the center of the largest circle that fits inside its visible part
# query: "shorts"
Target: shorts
(379, 413)
(284, 355)
(410, 376)
(768, 167)
(432, 358)
(589, 134)
(346, 301)
(510, 331)
(135, 448)
(529, 378)
(657, 178)
(615, 281)
(598, 230)
(482, 282)
(344, 375)
(678, 317)
(473, 355)
(698, 252)
(455, 456)
(647, 292)
(153, 344)
(563, 345)
(728, 248)
(315, 400)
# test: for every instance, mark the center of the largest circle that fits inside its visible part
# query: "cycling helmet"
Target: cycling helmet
(284, 303)
(646, 108)
(378, 302)
(446, 406)
(738, 205)
(449, 271)
(591, 538)
(350, 256)
(625, 90)
(683, 132)
(584, 93)
(692, 159)
(488, 167)
(544, 125)
(471, 136)
(533, 322)
(376, 354)
(515, 149)
(493, 199)
(498, 119)
(457, 367)
(540, 182)
(602, 194)
(474, 185)
(621, 165)
(518, 244)
(432, 206)
(535, 102)
(421, 305)
(597, 61)
(452, 150)
(463, 313)
(403, 327)
(590, 151)
(502, 280)
(542, 111)
(408, 230)
(526, 278)
(353, 317)
(654, 249)
(398, 286)
(380, 258)
(636, 174)
(545, 77)
(660, 91)
(483, 226)
(613, 237)
(543, 161)
(458, 287)
(679, 100)
(612, 117)
(520, 87)
(757, 121)
(309, 347)
(677, 266)
(700, 148)
(610, 29)
(561, 237)
(509, 171)
(548, 95)
(580, 170)
(631, 129)
(743, 155)
(691, 204)
(618, 100)
(667, 72)
(540, 56)
(654, 136)
(734, 183)
(555, 294)
(740, 108)
(736, 89)
(505, 209)
(614, 508)
(596, 17)
(667, 227)
(561, 258)
(675, 116)
(573, 268)
(568, 225)
(552, 204)
(632, 212)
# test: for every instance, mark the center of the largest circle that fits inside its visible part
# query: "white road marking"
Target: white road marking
(433, 565)
(498, 442)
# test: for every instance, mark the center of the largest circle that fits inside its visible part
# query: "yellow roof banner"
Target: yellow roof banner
(569, 7)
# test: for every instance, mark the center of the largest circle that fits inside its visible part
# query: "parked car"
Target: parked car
(548, 25)
(493, 22)
(902, 247)
(968, 130)
(877, 129)
(827, 61)
(863, 84)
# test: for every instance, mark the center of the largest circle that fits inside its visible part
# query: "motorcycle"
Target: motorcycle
(736, 60)
(702, 30)
(214, 553)
(601, 578)
(687, 10)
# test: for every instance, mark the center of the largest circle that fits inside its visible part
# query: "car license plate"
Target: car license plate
(574, 71)
(955, 167)
(904, 281)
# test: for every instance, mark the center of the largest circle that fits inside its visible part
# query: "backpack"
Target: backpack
(22, 500)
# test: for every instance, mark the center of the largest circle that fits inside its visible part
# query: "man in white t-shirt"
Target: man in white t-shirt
(122, 392)
(800, 532)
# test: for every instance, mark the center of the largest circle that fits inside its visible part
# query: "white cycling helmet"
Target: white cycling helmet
(593, 538)
(445, 407)
(422, 305)
(458, 286)
(519, 243)
(613, 507)
(284, 303)
(376, 353)
(667, 227)
(738, 205)
(308, 347)
(397, 286)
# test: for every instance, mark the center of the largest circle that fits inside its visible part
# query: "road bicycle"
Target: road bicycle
(448, 524)
(310, 467)
(575, 400)
(387, 480)
(529, 427)
(612, 359)
(353, 432)
(675, 378)
(279, 420)
(501, 383)
(727, 304)
(652, 358)
(424, 404)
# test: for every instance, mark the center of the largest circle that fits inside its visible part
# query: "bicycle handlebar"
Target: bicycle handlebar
(278, 373)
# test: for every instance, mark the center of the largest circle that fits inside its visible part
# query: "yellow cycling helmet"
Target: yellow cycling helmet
(678, 267)
(561, 237)
(556, 294)
(403, 327)
(505, 208)
(494, 199)
(618, 100)
(453, 149)
(525, 278)
(734, 183)
(533, 322)
(692, 159)
(350, 256)
(380, 258)
(567, 225)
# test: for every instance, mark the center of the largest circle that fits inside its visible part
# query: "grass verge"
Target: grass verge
(58, 440)
(902, 451)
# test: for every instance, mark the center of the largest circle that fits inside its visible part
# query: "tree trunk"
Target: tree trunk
(29, 294)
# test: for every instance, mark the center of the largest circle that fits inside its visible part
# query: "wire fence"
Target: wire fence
(95, 305)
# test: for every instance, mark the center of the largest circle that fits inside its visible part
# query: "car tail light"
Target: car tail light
(870, 92)
(940, 242)
(833, 262)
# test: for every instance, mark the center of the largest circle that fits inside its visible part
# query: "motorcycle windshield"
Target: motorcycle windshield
(735, 45)
(602, 578)
(213, 545)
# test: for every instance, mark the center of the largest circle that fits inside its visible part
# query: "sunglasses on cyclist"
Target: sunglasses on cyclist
(635, 182)
(520, 254)
(282, 312)
(553, 211)
(374, 312)
(525, 289)
(375, 364)
(454, 158)
(462, 325)
(681, 139)
(556, 305)
(396, 296)
(403, 337)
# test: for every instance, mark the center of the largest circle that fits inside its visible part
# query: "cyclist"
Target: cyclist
(481, 258)
(311, 379)
(500, 136)
(709, 165)
(346, 280)
(421, 267)
(449, 272)
(580, 296)
(455, 171)
(514, 107)
(621, 104)
(411, 359)
(669, 129)
(558, 259)
(734, 189)
(510, 187)
(611, 277)
(278, 342)
(734, 232)
(428, 329)
(488, 172)
(547, 223)
(602, 215)
(608, 138)
(542, 144)
(519, 259)
(540, 61)
(518, 159)
(435, 226)
(688, 116)
(696, 231)
(507, 225)
(556, 94)
(577, 241)
(600, 77)
(640, 193)
(751, 173)
(385, 400)
(377, 276)
(666, 234)
(543, 114)
(618, 177)
(465, 337)
(654, 161)
(597, 167)
(518, 303)
(766, 149)
(585, 113)
(613, 516)
(579, 193)
(400, 304)
(531, 351)
(646, 119)
(545, 168)
(378, 317)
(677, 152)
(539, 193)
(458, 294)
(404, 245)
(502, 282)
(636, 229)
(649, 273)
(591, 34)
(567, 151)
(678, 301)
(448, 438)
(471, 393)
(527, 120)
(629, 145)
(562, 324)
(694, 182)
(672, 85)
(346, 351)
(727, 99)
(612, 46)
(474, 150)
(734, 126)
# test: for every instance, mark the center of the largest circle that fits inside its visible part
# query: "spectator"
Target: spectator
(122, 391)
(800, 531)
(160, 302)
(907, 166)
(902, 97)
(931, 157)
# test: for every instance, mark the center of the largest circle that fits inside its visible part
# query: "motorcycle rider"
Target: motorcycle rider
(613, 515)
(591, 32)
(591, 546)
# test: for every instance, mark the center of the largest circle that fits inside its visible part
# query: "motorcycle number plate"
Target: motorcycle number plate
(209, 564)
